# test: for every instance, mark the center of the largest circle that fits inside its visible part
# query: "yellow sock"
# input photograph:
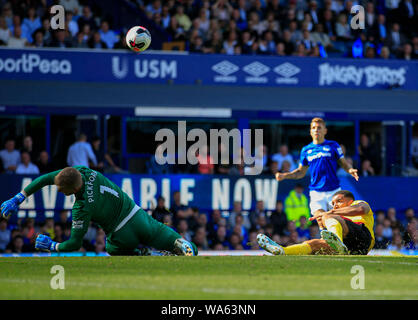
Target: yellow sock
(298, 249)
(334, 226)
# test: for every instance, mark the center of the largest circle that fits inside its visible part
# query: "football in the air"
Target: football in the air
(138, 39)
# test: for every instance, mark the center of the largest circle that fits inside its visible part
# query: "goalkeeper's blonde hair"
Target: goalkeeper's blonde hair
(69, 178)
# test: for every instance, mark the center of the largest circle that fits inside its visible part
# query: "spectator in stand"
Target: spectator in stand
(59, 233)
(61, 39)
(31, 22)
(380, 217)
(274, 167)
(9, 156)
(4, 32)
(314, 232)
(342, 29)
(366, 169)
(234, 242)
(252, 240)
(17, 41)
(183, 229)
(259, 210)
(380, 241)
(369, 151)
(406, 53)
(175, 31)
(370, 16)
(241, 230)
(38, 39)
(165, 17)
(4, 234)
(261, 222)
(303, 228)
(70, 24)
(104, 160)
(44, 165)
(183, 20)
(108, 36)
(409, 216)
(26, 166)
(395, 39)
(283, 155)
(100, 241)
(213, 224)
(7, 13)
(17, 245)
(154, 7)
(237, 210)
(279, 219)
(28, 147)
(387, 229)
(220, 237)
(50, 227)
(64, 218)
(46, 31)
(96, 42)
(17, 23)
(411, 235)
(380, 31)
(385, 53)
(160, 210)
(229, 43)
(179, 210)
(397, 243)
(319, 36)
(296, 205)
(81, 152)
(87, 18)
(200, 239)
(280, 49)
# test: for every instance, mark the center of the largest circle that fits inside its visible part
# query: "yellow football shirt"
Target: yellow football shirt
(367, 219)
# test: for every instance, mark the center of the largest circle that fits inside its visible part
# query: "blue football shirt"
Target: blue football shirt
(322, 161)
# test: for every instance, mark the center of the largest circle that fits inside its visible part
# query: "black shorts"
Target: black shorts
(358, 239)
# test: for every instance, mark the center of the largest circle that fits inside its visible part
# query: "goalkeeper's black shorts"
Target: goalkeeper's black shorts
(358, 239)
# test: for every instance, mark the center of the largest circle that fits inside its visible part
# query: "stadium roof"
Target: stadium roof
(97, 97)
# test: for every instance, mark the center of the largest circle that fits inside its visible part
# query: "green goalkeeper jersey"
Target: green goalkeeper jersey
(99, 200)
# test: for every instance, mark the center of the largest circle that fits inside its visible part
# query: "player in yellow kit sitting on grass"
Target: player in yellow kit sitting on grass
(347, 229)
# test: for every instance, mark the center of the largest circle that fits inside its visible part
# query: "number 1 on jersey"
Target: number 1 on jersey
(104, 189)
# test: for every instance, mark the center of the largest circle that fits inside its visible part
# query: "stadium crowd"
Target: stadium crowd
(269, 27)
(235, 230)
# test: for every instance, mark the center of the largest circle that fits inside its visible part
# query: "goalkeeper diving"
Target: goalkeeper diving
(101, 201)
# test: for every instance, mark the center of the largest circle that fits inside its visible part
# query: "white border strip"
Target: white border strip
(183, 112)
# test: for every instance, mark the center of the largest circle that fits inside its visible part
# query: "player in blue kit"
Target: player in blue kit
(323, 157)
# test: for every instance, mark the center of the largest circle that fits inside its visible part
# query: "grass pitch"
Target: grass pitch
(226, 277)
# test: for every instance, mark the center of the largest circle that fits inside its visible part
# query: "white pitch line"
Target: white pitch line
(408, 294)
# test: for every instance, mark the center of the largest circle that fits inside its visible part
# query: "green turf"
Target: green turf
(260, 277)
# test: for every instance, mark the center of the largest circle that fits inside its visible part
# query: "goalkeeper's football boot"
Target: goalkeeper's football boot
(269, 245)
(183, 247)
(334, 242)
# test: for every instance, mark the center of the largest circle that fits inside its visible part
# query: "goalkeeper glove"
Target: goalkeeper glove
(44, 242)
(10, 206)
